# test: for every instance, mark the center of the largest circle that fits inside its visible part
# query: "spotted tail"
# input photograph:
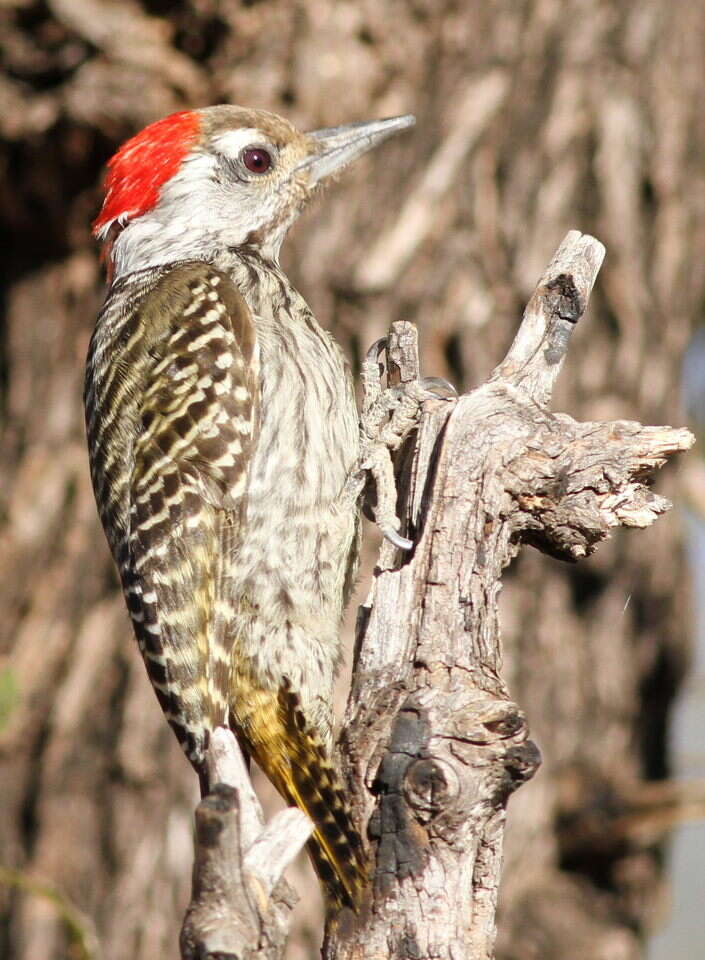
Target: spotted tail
(275, 732)
(314, 786)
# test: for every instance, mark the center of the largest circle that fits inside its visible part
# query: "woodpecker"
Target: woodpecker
(222, 430)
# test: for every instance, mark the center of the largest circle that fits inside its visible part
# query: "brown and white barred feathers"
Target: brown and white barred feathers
(181, 590)
(222, 430)
(154, 409)
(315, 786)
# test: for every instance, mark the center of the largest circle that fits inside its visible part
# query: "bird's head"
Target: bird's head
(202, 181)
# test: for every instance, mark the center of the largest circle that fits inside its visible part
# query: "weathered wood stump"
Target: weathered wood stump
(432, 744)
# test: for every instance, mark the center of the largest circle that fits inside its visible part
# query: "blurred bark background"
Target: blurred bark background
(534, 116)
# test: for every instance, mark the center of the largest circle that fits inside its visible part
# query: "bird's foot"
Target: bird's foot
(388, 417)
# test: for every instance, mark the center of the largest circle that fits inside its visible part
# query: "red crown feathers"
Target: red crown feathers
(142, 165)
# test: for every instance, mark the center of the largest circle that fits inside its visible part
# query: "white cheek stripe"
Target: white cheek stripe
(233, 142)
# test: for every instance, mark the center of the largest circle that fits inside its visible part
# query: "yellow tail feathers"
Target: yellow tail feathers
(315, 787)
(289, 750)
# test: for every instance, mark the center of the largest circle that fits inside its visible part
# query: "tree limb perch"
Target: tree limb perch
(433, 744)
(240, 903)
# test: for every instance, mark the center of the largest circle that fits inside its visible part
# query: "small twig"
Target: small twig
(221, 920)
(403, 365)
(226, 764)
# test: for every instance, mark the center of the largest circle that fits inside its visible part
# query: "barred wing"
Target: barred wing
(196, 426)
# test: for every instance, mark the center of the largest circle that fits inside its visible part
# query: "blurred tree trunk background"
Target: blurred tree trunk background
(534, 116)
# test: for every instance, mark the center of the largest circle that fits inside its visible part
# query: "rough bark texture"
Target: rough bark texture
(534, 117)
(435, 744)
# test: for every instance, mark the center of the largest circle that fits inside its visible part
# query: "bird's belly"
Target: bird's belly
(297, 553)
(297, 537)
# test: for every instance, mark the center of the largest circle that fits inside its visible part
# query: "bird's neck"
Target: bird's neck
(152, 242)
(268, 292)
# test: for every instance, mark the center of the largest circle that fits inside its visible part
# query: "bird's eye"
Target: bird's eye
(256, 159)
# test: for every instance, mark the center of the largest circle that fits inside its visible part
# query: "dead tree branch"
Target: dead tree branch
(433, 742)
(434, 745)
(240, 905)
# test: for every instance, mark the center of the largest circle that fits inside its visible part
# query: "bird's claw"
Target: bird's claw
(388, 417)
(396, 539)
(375, 351)
(438, 387)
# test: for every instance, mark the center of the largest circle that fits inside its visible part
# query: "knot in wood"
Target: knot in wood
(521, 762)
(563, 298)
(511, 724)
(487, 722)
(222, 798)
(212, 814)
(209, 826)
(429, 785)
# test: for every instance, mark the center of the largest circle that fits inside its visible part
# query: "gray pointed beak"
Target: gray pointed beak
(338, 146)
